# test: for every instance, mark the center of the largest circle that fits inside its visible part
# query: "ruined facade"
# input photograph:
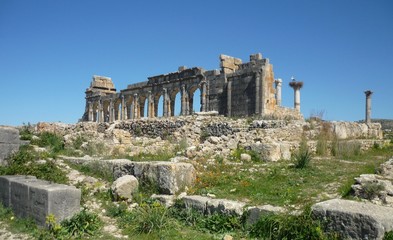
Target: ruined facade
(237, 89)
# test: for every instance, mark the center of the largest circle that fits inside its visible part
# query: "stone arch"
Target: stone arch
(175, 101)
(142, 102)
(159, 104)
(194, 98)
(95, 111)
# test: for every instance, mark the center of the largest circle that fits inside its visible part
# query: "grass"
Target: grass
(278, 183)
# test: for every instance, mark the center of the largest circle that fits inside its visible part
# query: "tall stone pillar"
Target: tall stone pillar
(368, 106)
(123, 109)
(100, 112)
(111, 111)
(164, 102)
(135, 107)
(278, 83)
(296, 88)
(149, 105)
(229, 97)
(90, 117)
(184, 101)
(203, 97)
(257, 93)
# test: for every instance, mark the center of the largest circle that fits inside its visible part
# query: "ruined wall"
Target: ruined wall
(237, 89)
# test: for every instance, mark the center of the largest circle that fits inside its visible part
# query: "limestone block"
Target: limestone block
(355, 220)
(58, 199)
(196, 202)
(9, 135)
(123, 187)
(5, 187)
(169, 177)
(224, 206)
(244, 157)
(256, 212)
(9, 142)
(166, 200)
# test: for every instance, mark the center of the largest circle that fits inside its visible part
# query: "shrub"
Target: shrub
(288, 227)
(345, 149)
(303, 155)
(236, 154)
(53, 141)
(388, 236)
(372, 189)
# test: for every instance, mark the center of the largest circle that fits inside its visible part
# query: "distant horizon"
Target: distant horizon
(51, 49)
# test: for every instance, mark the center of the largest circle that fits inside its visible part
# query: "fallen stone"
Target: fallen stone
(244, 157)
(9, 142)
(123, 187)
(196, 202)
(227, 237)
(34, 198)
(170, 178)
(166, 200)
(256, 212)
(224, 206)
(354, 220)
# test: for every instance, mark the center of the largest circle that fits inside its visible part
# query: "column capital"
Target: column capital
(368, 93)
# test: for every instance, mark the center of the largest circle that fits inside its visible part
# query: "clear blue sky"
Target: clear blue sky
(49, 50)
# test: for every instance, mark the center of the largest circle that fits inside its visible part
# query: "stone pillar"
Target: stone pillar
(135, 107)
(229, 97)
(111, 111)
(123, 109)
(203, 97)
(164, 102)
(149, 105)
(278, 83)
(100, 112)
(257, 92)
(91, 117)
(296, 88)
(368, 106)
(184, 101)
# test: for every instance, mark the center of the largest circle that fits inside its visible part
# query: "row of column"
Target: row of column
(151, 111)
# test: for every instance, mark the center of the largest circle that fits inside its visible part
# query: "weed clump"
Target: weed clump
(303, 156)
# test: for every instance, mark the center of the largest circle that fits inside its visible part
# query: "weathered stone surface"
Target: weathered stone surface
(354, 220)
(31, 197)
(345, 130)
(244, 157)
(256, 212)
(166, 200)
(9, 142)
(169, 177)
(5, 187)
(123, 187)
(224, 206)
(196, 202)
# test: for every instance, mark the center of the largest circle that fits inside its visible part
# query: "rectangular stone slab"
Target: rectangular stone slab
(5, 187)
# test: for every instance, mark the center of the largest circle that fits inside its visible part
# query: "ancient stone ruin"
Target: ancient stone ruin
(237, 89)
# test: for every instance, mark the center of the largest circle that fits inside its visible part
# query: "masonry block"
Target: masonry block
(5, 187)
(35, 198)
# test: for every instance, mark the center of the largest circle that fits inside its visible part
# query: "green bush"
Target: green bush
(24, 162)
(53, 141)
(300, 227)
(302, 159)
(372, 189)
(388, 236)
(345, 149)
(236, 154)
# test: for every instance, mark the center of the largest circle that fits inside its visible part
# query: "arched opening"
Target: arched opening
(159, 106)
(195, 100)
(128, 107)
(106, 111)
(176, 102)
(117, 110)
(143, 107)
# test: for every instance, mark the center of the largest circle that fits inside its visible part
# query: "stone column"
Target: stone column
(368, 106)
(203, 97)
(90, 117)
(135, 107)
(257, 92)
(296, 88)
(164, 102)
(229, 97)
(149, 103)
(111, 111)
(123, 109)
(100, 112)
(278, 83)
